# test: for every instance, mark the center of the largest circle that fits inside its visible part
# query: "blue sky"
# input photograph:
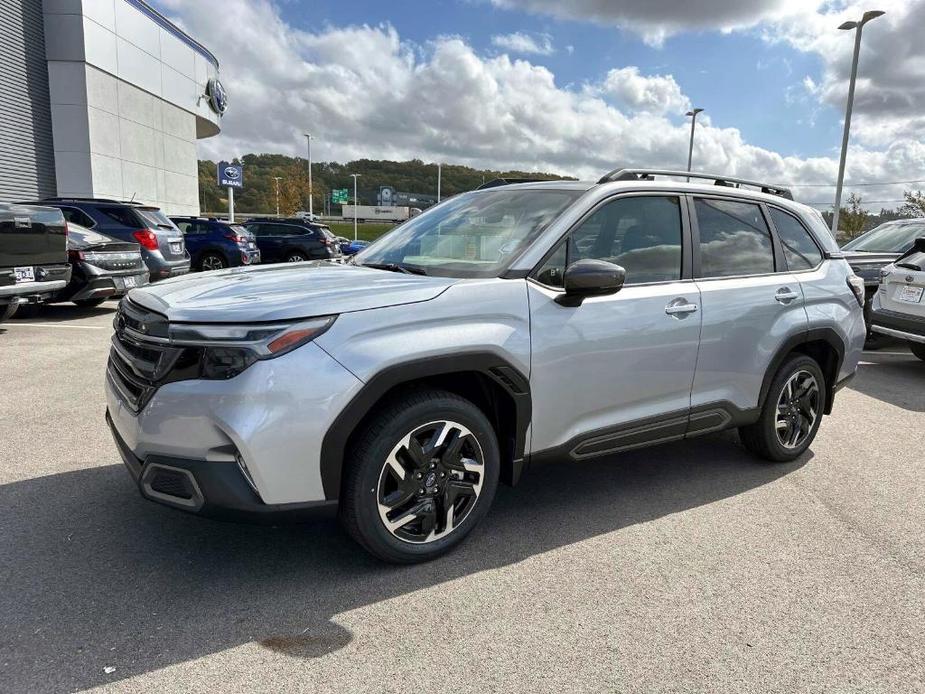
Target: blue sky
(767, 77)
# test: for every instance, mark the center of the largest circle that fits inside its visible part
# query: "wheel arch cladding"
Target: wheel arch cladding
(499, 389)
(825, 346)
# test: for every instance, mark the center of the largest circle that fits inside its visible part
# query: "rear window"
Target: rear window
(123, 215)
(155, 218)
(913, 261)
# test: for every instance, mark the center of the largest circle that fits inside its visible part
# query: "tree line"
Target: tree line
(261, 172)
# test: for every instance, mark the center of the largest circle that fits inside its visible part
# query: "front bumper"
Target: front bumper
(213, 490)
(899, 325)
(273, 416)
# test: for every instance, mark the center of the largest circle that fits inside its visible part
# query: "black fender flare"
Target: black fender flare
(492, 366)
(827, 335)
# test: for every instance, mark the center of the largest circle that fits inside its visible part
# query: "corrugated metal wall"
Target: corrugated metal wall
(27, 158)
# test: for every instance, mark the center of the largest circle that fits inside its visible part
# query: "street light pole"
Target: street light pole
(439, 179)
(277, 179)
(858, 27)
(690, 149)
(308, 139)
(355, 176)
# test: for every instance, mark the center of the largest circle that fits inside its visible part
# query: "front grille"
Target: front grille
(140, 359)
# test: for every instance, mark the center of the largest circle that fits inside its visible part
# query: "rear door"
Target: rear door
(751, 303)
(269, 241)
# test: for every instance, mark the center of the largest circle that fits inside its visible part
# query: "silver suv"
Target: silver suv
(899, 304)
(560, 320)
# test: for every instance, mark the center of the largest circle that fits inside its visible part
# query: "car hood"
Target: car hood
(284, 292)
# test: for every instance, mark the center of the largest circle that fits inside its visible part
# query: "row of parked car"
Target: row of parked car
(114, 246)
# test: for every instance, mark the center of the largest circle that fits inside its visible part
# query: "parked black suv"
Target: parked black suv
(214, 244)
(33, 255)
(292, 240)
(162, 245)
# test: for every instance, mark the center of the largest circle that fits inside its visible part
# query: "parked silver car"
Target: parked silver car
(899, 304)
(559, 320)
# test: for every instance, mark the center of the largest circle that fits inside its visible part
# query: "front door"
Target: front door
(616, 372)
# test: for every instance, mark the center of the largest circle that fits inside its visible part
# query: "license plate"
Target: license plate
(911, 295)
(129, 282)
(24, 274)
(176, 248)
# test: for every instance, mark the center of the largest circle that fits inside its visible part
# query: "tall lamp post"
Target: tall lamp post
(355, 201)
(439, 179)
(690, 149)
(308, 139)
(857, 26)
(277, 179)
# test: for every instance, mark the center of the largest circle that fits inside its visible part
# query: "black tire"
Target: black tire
(762, 438)
(295, 257)
(918, 349)
(89, 303)
(7, 311)
(212, 261)
(366, 468)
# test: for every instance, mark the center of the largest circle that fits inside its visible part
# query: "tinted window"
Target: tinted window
(72, 214)
(734, 239)
(122, 215)
(258, 229)
(800, 250)
(641, 234)
(155, 218)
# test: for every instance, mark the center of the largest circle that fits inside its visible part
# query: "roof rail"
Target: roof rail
(727, 181)
(495, 182)
(75, 198)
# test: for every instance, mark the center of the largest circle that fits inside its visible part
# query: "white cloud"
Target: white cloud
(658, 94)
(363, 92)
(519, 42)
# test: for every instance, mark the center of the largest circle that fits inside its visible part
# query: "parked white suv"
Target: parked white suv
(561, 320)
(899, 304)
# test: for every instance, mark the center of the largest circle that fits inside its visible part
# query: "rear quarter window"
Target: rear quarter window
(800, 250)
(122, 215)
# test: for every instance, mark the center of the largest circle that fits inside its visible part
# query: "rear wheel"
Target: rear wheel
(89, 303)
(212, 261)
(791, 414)
(7, 311)
(420, 477)
(295, 257)
(918, 349)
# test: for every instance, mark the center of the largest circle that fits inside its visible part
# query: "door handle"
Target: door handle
(785, 295)
(675, 308)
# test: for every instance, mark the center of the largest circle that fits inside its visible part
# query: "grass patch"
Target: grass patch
(366, 231)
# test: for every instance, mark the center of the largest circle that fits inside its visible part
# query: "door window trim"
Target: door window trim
(776, 248)
(686, 237)
(808, 233)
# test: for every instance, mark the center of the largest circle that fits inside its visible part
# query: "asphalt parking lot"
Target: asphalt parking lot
(688, 567)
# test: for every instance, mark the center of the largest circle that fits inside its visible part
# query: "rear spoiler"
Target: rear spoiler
(917, 247)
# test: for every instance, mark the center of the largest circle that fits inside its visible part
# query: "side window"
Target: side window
(641, 234)
(184, 226)
(734, 239)
(72, 214)
(801, 251)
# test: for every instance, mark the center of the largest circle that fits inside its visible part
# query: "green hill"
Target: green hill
(260, 170)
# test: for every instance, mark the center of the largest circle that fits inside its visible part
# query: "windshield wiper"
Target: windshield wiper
(396, 267)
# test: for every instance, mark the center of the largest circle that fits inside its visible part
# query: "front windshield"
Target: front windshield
(887, 238)
(474, 234)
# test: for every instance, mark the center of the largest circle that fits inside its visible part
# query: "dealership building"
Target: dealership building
(103, 98)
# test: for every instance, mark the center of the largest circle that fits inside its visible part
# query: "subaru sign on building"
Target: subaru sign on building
(230, 175)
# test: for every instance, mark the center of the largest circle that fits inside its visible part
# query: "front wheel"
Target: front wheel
(791, 414)
(918, 349)
(420, 477)
(212, 261)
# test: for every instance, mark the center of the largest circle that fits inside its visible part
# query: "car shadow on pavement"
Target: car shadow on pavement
(896, 378)
(96, 577)
(62, 313)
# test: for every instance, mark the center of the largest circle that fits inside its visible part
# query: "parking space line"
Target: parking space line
(52, 325)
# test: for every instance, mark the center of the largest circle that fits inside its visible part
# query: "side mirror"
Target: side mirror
(589, 277)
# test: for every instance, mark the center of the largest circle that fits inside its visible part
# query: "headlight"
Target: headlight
(227, 350)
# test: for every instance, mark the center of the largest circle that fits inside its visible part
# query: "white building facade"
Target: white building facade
(128, 95)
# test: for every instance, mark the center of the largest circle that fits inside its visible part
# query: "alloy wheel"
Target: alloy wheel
(797, 409)
(430, 482)
(294, 259)
(212, 262)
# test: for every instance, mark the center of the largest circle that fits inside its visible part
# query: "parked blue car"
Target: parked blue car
(348, 247)
(214, 244)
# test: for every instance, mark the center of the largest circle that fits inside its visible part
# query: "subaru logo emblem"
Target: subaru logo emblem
(430, 480)
(218, 99)
(910, 279)
(232, 173)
